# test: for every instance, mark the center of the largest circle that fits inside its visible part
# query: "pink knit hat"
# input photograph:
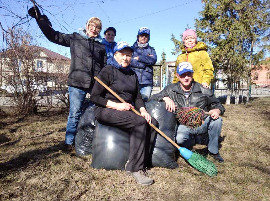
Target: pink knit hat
(189, 32)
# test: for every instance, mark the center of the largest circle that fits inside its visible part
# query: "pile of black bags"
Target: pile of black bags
(109, 146)
(164, 151)
(85, 132)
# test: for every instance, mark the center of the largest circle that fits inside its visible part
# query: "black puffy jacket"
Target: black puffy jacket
(88, 56)
(199, 97)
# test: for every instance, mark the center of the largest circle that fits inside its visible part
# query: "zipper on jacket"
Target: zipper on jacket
(186, 54)
(93, 67)
(187, 100)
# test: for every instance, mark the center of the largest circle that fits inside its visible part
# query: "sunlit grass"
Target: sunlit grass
(33, 167)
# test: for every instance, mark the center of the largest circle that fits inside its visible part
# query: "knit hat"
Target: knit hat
(184, 67)
(110, 29)
(189, 32)
(122, 45)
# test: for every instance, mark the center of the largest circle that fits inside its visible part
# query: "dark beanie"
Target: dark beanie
(110, 29)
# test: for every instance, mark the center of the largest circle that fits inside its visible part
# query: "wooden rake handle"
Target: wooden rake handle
(136, 112)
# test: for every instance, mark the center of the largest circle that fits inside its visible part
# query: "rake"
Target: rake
(194, 159)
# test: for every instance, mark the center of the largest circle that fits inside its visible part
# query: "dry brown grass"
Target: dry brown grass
(33, 167)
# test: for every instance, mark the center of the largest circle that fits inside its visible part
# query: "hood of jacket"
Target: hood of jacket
(199, 46)
(82, 32)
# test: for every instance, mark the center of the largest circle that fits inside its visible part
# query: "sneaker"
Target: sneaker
(141, 178)
(148, 172)
(217, 157)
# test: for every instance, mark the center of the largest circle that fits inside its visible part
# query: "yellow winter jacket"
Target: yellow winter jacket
(200, 61)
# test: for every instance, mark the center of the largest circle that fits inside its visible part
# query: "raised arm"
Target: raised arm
(46, 28)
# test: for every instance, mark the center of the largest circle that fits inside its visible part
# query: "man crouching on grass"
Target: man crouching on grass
(188, 93)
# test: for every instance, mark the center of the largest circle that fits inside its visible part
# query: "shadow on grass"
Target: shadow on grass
(4, 139)
(27, 158)
(60, 111)
(40, 116)
(3, 125)
(259, 167)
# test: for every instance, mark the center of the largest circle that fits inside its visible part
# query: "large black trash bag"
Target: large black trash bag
(202, 139)
(110, 148)
(164, 151)
(85, 131)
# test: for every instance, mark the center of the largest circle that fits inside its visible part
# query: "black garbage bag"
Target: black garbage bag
(110, 148)
(164, 152)
(85, 131)
(202, 139)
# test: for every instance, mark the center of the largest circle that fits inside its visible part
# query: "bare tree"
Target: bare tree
(57, 82)
(19, 72)
(61, 77)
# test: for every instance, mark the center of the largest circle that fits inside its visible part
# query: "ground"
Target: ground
(33, 166)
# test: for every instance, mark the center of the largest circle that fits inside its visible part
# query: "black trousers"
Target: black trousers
(142, 135)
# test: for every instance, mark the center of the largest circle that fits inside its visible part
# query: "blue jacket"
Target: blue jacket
(144, 66)
(109, 46)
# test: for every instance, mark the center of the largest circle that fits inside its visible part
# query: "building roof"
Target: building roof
(50, 54)
(53, 55)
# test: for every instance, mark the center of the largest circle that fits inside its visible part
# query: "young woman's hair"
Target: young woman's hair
(96, 21)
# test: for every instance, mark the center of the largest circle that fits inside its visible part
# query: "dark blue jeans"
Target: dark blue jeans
(76, 100)
(210, 126)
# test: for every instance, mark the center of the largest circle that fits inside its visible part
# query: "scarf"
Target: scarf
(142, 45)
(115, 64)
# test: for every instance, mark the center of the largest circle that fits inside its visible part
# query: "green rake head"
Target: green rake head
(202, 164)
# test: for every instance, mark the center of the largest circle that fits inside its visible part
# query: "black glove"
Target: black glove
(34, 12)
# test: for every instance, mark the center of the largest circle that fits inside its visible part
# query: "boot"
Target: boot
(217, 157)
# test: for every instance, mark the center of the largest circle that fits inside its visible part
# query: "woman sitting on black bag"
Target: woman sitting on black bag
(109, 111)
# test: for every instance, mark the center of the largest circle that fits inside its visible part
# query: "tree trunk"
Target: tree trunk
(249, 71)
(228, 99)
(237, 96)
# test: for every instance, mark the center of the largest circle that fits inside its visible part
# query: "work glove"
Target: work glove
(34, 12)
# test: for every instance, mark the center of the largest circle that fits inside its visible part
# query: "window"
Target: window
(39, 66)
(268, 75)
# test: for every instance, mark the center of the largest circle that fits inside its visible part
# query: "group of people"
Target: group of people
(128, 71)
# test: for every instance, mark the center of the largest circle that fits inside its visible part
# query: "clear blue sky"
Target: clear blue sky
(163, 18)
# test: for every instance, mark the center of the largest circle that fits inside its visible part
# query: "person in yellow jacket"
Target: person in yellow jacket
(196, 53)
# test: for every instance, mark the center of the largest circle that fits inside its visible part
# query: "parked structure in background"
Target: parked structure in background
(32, 77)
(49, 68)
